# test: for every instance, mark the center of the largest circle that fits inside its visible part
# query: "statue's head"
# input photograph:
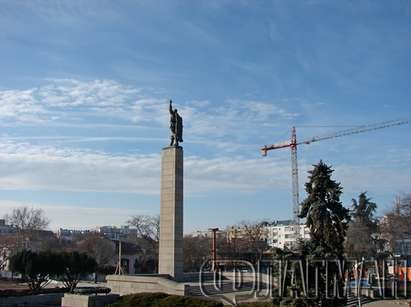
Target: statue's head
(175, 110)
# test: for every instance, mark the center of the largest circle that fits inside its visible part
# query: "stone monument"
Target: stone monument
(171, 226)
(171, 202)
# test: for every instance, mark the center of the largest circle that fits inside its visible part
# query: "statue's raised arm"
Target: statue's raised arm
(176, 126)
(171, 107)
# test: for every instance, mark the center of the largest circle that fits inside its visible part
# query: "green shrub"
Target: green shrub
(289, 302)
(141, 299)
(259, 304)
(75, 266)
(38, 268)
(183, 301)
(162, 300)
(301, 302)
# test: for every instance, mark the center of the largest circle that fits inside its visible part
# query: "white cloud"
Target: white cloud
(235, 173)
(96, 93)
(24, 166)
(231, 127)
(20, 105)
(373, 178)
(61, 216)
(69, 100)
(264, 110)
(150, 110)
(32, 167)
(235, 119)
(59, 98)
(72, 102)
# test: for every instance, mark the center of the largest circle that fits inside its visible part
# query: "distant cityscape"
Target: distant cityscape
(277, 234)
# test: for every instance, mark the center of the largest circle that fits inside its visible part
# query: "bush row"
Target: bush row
(165, 300)
(162, 300)
(39, 268)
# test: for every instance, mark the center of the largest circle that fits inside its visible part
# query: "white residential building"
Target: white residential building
(115, 233)
(70, 234)
(5, 229)
(281, 234)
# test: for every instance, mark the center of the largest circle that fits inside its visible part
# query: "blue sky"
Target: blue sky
(83, 103)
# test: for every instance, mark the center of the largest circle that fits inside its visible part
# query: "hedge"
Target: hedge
(165, 300)
(162, 300)
(259, 304)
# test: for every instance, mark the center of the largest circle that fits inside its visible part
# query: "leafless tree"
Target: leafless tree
(396, 224)
(147, 227)
(253, 231)
(147, 237)
(26, 219)
(253, 235)
(197, 249)
(101, 249)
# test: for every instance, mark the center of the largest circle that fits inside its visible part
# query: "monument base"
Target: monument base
(170, 260)
(79, 300)
(131, 284)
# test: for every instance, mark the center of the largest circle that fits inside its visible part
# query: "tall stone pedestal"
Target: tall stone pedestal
(171, 213)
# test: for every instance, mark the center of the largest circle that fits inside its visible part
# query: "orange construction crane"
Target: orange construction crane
(293, 144)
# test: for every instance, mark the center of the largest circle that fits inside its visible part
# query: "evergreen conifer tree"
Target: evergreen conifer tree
(325, 215)
(327, 220)
(361, 240)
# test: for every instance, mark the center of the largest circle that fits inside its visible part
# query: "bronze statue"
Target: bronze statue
(176, 126)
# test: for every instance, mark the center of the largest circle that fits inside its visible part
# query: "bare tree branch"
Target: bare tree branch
(148, 227)
(27, 219)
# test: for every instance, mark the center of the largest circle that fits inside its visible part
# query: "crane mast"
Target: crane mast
(294, 176)
(293, 144)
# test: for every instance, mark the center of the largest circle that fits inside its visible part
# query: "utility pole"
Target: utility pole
(214, 249)
(119, 268)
